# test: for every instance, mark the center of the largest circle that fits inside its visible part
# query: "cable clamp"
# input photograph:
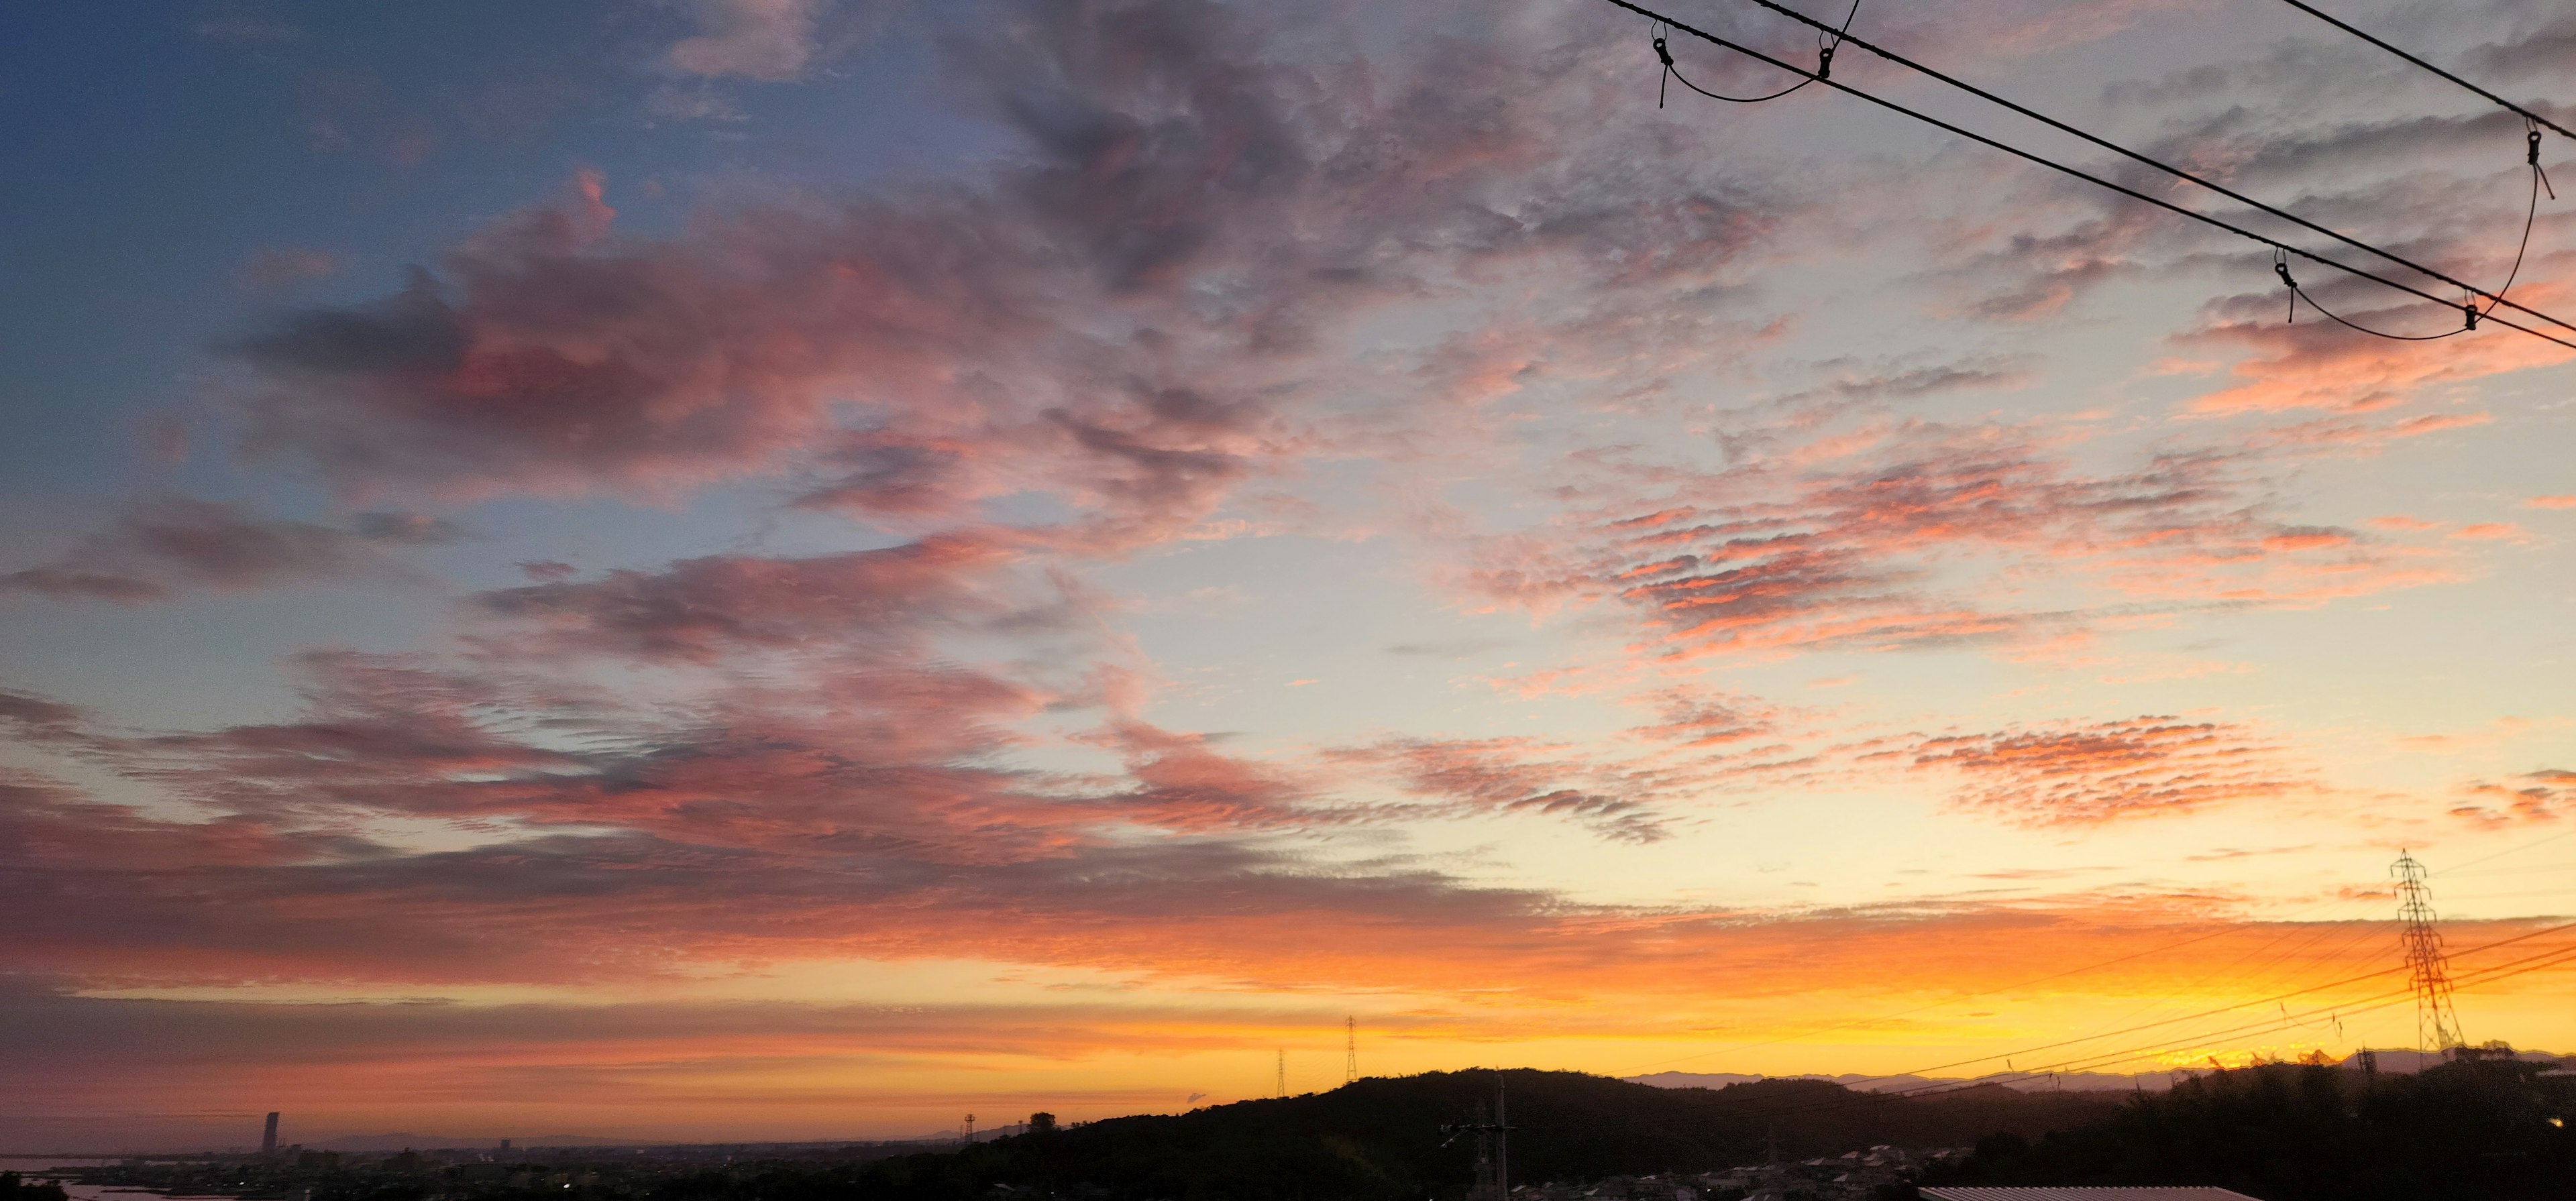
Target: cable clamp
(1663, 82)
(2531, 137)
(2281, 267)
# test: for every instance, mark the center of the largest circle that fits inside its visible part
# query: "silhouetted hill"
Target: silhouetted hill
(2482, 1130)
(1379, 1140)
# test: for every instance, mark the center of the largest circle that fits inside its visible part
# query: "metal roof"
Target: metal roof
(2151, 1192)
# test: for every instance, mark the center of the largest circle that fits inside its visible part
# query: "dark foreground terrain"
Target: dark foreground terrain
(1379, 1139)
(2483, 1130)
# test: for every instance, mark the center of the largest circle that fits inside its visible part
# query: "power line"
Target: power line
(1826, 43)
(2076, 172)
(2273, 999)
(2504, 971)
(2510, 106)
(2019, 984)
(2552, 957)
(2547, 959)
(2454, 868)
(2496, 297)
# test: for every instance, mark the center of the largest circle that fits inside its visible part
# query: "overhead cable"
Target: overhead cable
(2278, 997)
(2096, 1061)
(1995, 991)
(2076, 172)
(2510, 106)
(2496, 297)
(1827, 41)
(2552, 957)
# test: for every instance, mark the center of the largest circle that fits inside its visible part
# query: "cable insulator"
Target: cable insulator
(1825, 68)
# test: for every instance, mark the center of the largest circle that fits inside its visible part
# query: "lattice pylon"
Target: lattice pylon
(2428, 970)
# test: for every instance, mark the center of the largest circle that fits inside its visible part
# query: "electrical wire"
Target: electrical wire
(2020, 984)
(2095, 1061)
(2496, 296)
(2510, 106)
(2075, 172)
(1830, 40)
(2539, 180)
(2513, 850)
(2269, 1000)
(2485, 975)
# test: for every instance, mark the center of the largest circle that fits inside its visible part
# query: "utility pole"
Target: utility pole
(2437, 1025)
(1493, 1150)
(1350, 1050)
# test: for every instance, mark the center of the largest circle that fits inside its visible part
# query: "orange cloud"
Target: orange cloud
(2540, 796)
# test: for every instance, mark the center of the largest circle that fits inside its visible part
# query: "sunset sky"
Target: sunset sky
(730, 569)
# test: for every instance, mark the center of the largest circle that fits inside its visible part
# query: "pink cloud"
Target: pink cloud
(757, 39)
(1881, 546)
(700, 610)
(1514, 775)
(163, 547)
(2111, 770)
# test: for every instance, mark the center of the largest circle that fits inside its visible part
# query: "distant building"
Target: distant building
(268, 1137)
(1975, 1192)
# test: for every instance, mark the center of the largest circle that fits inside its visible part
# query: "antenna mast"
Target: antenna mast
(1350, 1049)
(1283, 1072)
(2437, 1025)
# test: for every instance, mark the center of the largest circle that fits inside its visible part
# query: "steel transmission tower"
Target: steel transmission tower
(1350, 1050)
(2437, 1026)
(1283, 1072)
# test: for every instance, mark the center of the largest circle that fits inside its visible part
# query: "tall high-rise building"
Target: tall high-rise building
(268, 1137)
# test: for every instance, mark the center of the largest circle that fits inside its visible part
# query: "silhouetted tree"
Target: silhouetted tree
(2484, 1129)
